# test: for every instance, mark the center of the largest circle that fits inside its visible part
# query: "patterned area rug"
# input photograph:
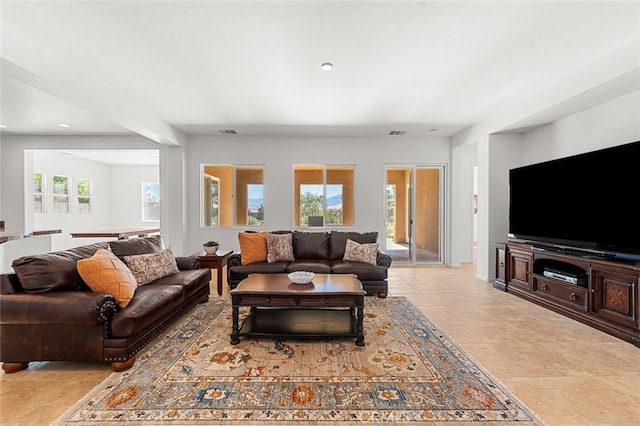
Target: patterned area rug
(409, 371)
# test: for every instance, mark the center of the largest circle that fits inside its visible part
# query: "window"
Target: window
(255, 210)
(61, 194)
(232, 195)
(324, 195)
(150, 201)
(38, 193)
(211, 215)
(84, 195)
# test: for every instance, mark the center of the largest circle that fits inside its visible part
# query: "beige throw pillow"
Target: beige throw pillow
(279, 248)
(365, 253)
(150, 267)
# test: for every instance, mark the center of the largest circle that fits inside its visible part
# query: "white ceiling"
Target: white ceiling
(166, 70)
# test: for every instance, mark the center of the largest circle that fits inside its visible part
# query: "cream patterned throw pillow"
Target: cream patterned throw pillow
(365, 253)
(279, 248)
(150, 267)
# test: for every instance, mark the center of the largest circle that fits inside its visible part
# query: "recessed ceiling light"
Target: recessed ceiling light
(2, 126)
(327, 66)
(228, 132)
(66, 126)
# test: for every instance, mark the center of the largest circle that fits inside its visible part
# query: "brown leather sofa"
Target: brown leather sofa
(48, 313)
(322, 253)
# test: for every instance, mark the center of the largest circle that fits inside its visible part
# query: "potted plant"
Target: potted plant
(210, 247)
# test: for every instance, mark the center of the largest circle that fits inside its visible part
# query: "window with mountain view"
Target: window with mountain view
(324, 192)
(232, 195)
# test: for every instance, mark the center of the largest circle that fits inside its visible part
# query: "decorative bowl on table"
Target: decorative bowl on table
(210, 249)
(301, 277)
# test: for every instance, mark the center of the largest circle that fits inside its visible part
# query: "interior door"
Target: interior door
(414, 214)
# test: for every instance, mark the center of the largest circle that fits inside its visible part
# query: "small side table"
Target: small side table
(214, 261)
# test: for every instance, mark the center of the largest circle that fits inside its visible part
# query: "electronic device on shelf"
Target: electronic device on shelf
(568, 277)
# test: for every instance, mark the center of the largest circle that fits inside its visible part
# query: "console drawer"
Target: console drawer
(567, 294)
(317, 301)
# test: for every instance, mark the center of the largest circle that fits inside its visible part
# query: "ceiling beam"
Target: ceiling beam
(36, 66)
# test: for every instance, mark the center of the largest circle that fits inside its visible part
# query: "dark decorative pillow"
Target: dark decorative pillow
(135, 246)
(54, 271)
(279, 247)
(310, 245)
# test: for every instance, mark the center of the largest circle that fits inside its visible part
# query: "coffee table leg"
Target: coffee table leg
(235, 331)
(360, 327)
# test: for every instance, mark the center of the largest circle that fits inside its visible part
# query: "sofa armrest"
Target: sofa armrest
(383, 259)
(57, 307)
(187, 262)
(234, 259)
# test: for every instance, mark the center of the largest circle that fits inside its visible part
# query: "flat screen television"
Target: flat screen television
(586, 202)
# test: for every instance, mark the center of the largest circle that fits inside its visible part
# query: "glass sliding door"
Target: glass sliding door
(398, 218)
(414, 215)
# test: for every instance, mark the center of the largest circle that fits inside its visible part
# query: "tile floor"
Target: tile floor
(568, 373)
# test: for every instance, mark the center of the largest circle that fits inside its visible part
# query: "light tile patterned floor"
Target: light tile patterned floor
(566, 372)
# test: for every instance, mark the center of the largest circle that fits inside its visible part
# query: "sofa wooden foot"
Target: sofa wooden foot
(122, 366)
(14, 367)
(382, 294)
(204, 300)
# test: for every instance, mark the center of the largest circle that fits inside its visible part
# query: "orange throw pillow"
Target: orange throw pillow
(253, 247)
(105, 273)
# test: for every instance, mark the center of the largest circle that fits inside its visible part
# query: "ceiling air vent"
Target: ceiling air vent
(397, 132)
(228, 132)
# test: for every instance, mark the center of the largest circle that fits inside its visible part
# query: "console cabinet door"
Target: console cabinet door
(615, 296)
(519, 269)
(501, 267)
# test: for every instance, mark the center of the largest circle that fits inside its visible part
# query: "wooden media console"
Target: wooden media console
(604, 295)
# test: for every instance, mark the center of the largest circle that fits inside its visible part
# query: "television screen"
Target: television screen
(586, 201)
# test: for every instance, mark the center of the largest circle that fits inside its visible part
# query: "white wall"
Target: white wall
(462, 218)
(180, 182)
(280, 154)
(116, 201)
(612, 123)
(125, 195)
(504, 153)
(52, 163)
(2, 177)
(12, 167)
(18, 161)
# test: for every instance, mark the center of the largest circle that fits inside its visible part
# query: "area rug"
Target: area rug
(409, 371)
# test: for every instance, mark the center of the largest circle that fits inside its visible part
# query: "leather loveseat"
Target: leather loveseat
(48, 313)
(322, 253)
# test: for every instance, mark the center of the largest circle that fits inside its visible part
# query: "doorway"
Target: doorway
(414, 209)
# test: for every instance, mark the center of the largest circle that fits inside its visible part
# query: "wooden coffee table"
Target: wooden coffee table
(329, 306)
